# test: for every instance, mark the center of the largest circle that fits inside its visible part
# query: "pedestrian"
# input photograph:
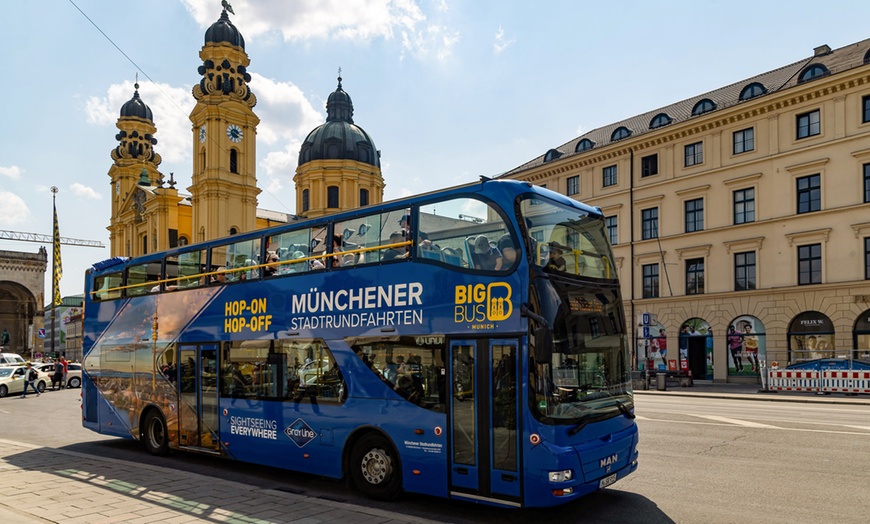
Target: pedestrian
(57, 377)
(30, 376)
(65, 371)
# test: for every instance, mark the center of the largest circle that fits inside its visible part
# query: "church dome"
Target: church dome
(136, 107)
(224, 31)
(339, 138)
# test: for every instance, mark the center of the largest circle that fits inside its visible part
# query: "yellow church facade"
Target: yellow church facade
(338, 168)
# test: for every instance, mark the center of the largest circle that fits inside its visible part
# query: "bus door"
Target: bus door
(198, 397)
(483, 419)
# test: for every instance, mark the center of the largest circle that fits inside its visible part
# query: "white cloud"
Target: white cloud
(169, 105)
(13, 172)
(15, 211)
(345, 19)
(288, 114)
(434, 40)
(84, 191)
(501, 42)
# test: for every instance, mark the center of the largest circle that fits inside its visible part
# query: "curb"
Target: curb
(761, 396)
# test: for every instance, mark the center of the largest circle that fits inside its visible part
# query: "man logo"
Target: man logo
(300, 432)
(607, 461)
(480, 303)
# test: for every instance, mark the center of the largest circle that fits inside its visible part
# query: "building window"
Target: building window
(649, 165)
(809, 194)
(809, 124)
(234, 161)
(866, 182)
(610, 176)
(551, 155)
(649, 223)
(744, 141)
(660, 120)
(704, 106)
(584, 145)
(620, 133)
(813, 71)
(650, 280)
(332, 196)
(865, 104)
(611, 224)
(573, 185)
(744, 271)
(694, 154)
(363, 197)
(305, 200)
(867, 258)
(695, 276)
(694, 215)
(809, 264)
(744, 206)
(751, 91)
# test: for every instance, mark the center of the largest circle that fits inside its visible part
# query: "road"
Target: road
(701, 460)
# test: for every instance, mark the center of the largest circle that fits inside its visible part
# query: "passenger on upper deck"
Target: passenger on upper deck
(508, 249)
(393, 253)
(488, 257)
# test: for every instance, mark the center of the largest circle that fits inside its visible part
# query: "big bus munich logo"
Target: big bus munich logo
(300, 432)
(482, 303)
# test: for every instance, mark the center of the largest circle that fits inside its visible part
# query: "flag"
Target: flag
(57, 270)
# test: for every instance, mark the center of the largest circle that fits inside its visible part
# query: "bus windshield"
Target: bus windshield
(585, 374)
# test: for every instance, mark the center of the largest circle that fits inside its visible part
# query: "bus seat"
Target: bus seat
(452, 256)
(432, 254)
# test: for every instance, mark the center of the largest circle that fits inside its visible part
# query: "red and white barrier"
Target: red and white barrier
(846, 381)
(793, 380)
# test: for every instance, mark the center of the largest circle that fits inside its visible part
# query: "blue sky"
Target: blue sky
(447, 89)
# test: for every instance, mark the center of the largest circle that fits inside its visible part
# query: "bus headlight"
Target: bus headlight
(561, 476)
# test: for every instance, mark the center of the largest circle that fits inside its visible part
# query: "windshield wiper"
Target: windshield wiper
(625, 411)
(576, 429)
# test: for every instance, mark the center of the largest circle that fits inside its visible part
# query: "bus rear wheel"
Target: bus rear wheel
(155, 435)
(375, 468)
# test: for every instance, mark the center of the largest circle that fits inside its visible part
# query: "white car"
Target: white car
(11, 358)
(12, 380)
(73, 377)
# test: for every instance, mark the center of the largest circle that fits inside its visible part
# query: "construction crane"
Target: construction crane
(46, 239)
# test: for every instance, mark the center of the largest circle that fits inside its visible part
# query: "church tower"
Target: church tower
(224, 183)
(143, 218)
(339, 167)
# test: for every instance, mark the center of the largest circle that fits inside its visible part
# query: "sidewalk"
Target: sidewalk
(708, 389)
(44, 485)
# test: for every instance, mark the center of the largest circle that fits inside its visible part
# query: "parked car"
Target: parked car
(12, 380)
(73, 377)
(11, 358)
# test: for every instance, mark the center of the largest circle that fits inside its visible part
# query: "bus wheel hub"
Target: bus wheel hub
(376, 466)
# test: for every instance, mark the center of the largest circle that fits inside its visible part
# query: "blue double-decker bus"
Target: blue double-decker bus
(467, 343)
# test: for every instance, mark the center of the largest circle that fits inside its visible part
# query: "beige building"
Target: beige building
(745, 207)
(339, 167)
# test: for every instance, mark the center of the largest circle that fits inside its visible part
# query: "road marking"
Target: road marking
(803, 430)
(857, 427)
(736, 422)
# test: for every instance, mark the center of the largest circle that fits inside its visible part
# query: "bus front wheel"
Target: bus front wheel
(155, 435)
(375, 468)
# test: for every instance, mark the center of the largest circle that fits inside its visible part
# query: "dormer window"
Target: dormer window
(813, 71)
(703, 106)
(751, 91)
(584, 145)
(551, 155)
(660, 120)
(620, 133)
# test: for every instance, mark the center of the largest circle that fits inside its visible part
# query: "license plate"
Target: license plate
(606, 481)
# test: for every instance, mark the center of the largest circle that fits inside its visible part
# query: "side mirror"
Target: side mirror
(543, 345)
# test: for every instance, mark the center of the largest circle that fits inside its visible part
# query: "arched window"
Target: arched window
(867, 57)
(703, 106)
(551, 155)
(752, 90)
(584, 145)
(620, 133)
(183, 241)
(234, 161)
(813, 71)
(660, 120)
(332, 196)
(363, 197)
(305, 202)
(234, 231)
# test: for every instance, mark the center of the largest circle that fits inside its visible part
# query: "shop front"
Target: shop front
(810, 337)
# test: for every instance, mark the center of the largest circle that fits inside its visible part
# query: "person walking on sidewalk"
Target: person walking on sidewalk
(65, 372)
(57, 377)
(30, 376)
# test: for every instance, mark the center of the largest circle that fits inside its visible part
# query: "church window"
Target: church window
(363, 197)
(234, 161)
(332, 196)
(305, 200)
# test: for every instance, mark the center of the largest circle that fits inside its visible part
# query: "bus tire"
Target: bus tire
(375, 468)
(155, 435)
